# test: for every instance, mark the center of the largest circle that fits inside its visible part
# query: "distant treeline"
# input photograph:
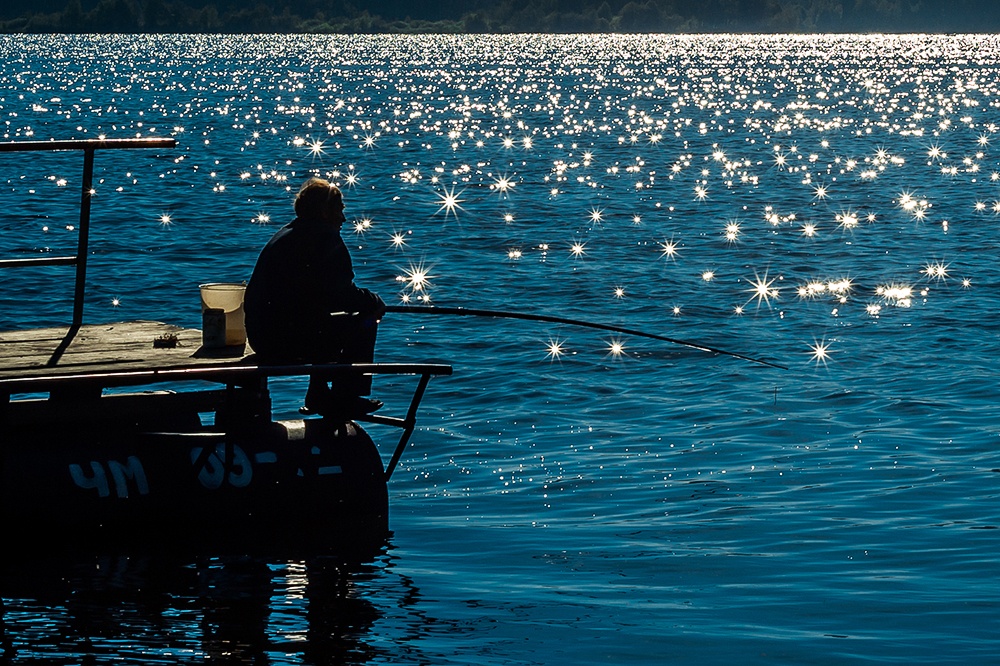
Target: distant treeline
(486, 16)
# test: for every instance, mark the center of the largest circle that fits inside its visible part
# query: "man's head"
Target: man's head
(319, 198)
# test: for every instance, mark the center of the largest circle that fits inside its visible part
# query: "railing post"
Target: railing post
(84, 235)
(410, 421)
(88, 146)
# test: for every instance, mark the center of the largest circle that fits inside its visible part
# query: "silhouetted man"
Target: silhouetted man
(302, 304)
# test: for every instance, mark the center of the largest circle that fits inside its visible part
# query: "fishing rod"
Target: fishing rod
(501, 314)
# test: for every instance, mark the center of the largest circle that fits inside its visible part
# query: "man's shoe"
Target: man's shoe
(362, 406)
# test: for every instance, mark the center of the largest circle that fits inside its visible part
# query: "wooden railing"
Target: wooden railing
(89, 147)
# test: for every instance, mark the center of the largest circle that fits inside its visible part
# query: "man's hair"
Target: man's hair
(315, 196)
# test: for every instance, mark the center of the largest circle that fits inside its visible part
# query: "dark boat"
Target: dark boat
(135, 433)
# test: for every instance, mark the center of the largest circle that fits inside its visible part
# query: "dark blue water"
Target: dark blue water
(828, 204)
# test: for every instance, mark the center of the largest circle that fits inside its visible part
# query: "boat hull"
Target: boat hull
(312, 481)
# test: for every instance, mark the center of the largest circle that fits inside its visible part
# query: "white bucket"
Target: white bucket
(228, 297)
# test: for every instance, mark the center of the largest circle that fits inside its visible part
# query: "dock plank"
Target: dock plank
(104, 348)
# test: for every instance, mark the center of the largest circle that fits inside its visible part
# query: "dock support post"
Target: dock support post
(84, 235)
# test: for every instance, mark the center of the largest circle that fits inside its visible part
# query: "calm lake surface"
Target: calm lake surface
(572, 496)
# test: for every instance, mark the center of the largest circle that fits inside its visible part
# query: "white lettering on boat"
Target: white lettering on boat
(131, 470)
(98, 480)
(122, 473)
(216, 470)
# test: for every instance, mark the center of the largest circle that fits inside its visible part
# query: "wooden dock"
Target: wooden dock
(144, 347)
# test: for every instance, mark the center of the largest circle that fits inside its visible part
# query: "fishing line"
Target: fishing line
(501, 314)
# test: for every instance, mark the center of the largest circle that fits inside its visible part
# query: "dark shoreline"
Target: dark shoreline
(507, 16)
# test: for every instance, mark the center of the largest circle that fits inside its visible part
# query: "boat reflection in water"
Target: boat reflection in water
(150, 608)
